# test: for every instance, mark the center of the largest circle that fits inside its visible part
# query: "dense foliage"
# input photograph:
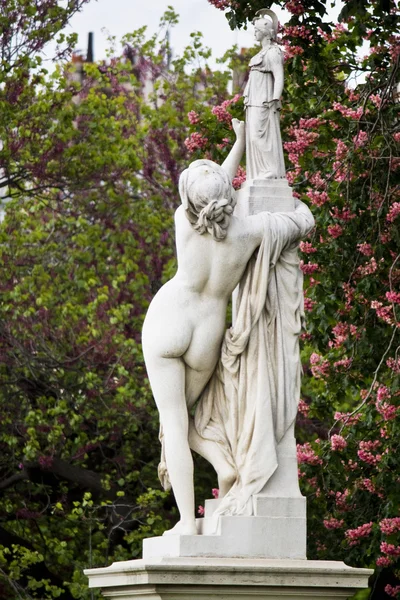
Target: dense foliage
(341, 127)
(91, 169)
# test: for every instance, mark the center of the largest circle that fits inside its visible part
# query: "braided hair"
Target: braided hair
(207, 197)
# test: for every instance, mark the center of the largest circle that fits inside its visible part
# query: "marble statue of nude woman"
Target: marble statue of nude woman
(185, 323)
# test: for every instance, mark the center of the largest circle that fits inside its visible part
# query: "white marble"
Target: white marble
(189, 355)
(264, 152)
(227, 579)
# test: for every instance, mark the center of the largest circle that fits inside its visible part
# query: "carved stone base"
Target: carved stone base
(227, 579)
(257, 195)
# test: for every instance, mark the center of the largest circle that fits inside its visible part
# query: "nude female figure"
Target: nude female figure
(185, 323)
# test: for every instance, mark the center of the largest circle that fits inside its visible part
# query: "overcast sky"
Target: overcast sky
(123, 16)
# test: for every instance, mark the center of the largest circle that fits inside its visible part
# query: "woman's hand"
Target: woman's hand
(239, 128)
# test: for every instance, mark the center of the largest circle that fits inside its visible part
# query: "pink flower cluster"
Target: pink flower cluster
(221, 4)
(390, 549)
(319, 366)
(393, 297)
(307, 248)
(383, 561)
(195, 142)
(312, 123)
(239, 178)
(343, 364)
(389, 526)
(333, 523)
(348, 112)
(342, 215)
(383, 312)
(347, 418)
(341, 150)
(341, 500)
(308, 268)
(368, 485)
(387, 410)
(365, 249)
(215, 493)
(335, 231)
(317, 198)
(193, 117)
(309, 304)
(394, 212)
(303, 139)
(295, 7)
(392, 591)
(354, 535)
(394, 364)
(360, 139)
(369, 268)
(306, 455)
(338, 443)
(303, 407)
(221, 113)
(297, 31)
(365, 452)
(342, 331)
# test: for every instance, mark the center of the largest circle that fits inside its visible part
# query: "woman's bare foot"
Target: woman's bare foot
(183, 528)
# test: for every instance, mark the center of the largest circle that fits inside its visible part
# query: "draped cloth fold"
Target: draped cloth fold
(251, 399)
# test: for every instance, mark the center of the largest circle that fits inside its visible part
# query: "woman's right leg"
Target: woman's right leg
(167, 379)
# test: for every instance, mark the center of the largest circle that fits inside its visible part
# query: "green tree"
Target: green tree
(341, 132)
(91, 171)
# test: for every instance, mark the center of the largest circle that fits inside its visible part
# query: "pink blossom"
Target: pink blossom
(394, 364)
(369, 268)
(389, 526)
(383, 312)
(215, 493)
(347, 418)
(342, 215)
(394, 212)
(195, 142)
(335, 231)
(201, 510)
(348, 112)
(311, 123)
(376, 100)
(239, 178)
(306, 455)
(317, 198)
(338, 443)
(319, 366)
(193, 117)
(309, 304)
(295, 7)
(383, 561)
(341, 150)
(393, 297)
(360, 139)
(388, 411)
(365, 249)
(365, 452)
(341, 500)
(221, 113)
(383, 393)
(392, 591)
(307, 248)
(303, 407)
(333, 523)
(308, 268)
(354, 535)
(396, 136)
(368, 485)
(344, 363)
(390, 549)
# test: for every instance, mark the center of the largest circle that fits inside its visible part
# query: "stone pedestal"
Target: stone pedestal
(258, 195)
(227, 579)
